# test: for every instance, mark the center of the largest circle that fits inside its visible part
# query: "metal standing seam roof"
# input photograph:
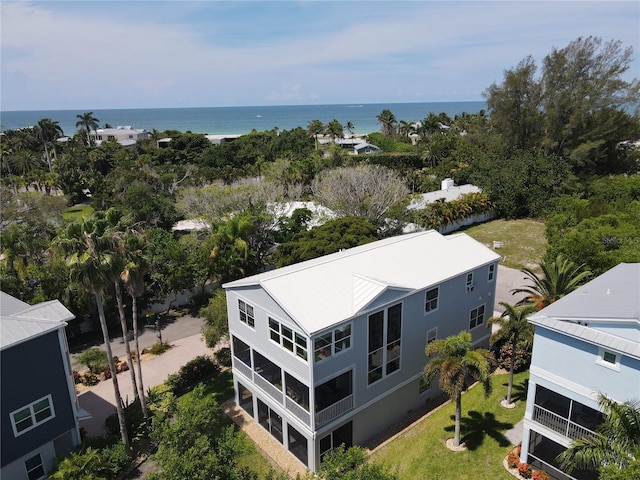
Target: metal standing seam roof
(613, 297)
(324, 291)
(20, 321)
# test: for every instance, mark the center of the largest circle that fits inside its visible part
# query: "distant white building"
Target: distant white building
(448, 192)
(124, 135)
(355, 145)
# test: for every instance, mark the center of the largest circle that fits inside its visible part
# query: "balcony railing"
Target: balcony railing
(334, 411)
(559, 424)
(298, 411)
(265, 385)
(243, 368)
(554, 473)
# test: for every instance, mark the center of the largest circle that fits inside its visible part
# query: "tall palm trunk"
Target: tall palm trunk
(512, 363)
(134, 314)
(456, 434)
(112, 368)
(127, 346)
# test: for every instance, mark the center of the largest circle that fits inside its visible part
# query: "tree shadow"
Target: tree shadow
(519, 390)
(475, 426)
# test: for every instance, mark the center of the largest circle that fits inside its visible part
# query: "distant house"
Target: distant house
(586, 343)
(124, 135)
(355, 145)
(448, 192)
(40, 410)
(331, 350)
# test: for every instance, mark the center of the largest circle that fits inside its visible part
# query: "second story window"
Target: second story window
(385, 331)
(332, 342)
(32, 415)
(476, 317)
(492, 272)
(469, 282)
(431, 302)
(246, 314)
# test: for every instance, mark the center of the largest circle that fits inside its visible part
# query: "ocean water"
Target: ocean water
(240, 120)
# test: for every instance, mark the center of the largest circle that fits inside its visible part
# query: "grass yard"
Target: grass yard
(77, 212)
(523, 241)
(420, 453)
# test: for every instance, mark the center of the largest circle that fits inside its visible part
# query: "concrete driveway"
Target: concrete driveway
(508, 279)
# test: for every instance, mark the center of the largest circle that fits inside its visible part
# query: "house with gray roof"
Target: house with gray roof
(331, 351)
(125, 135)
(38, 401)
(585, 344)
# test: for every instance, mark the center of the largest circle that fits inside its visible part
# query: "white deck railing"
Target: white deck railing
(298, 411)
(265, 385)
(243, 368)
(333, 411)
(559, 424)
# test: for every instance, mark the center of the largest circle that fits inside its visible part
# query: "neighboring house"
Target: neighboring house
(355, 145)
(448, 192)
(331, 350)
(124, 135)
(586, 343)
(40, 409)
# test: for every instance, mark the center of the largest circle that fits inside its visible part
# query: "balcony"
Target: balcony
(244, 369)
(334, 411)
(559, 424)
(298, 411)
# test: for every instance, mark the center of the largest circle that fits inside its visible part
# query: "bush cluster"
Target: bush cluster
(524, 469)
(192, 373)
(522, 360)
(157, 348)
(223, 357)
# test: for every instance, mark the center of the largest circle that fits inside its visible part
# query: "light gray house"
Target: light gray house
(585, 344)
(331, 350)
(124, 135)
(40, 410)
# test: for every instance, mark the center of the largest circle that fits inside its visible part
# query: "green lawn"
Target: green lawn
(523, 241)
(77, 212)
(420, 452)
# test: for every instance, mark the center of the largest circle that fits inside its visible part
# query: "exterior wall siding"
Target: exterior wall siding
(30, 371)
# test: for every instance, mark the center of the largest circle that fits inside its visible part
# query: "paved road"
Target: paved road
(508, 279)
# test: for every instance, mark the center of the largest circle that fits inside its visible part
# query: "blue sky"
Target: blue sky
(144, 54)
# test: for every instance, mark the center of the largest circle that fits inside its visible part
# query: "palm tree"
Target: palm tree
(388, 121)
(513, 328)
(135, 268)
(406, 128)
(315, 128)
(87, 122)
(335, 129)
(87, 248)
(615, 444)
(560, 277)
(453, 359)
(48, 131)
(350, 128)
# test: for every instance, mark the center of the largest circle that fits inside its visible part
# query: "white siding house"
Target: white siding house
(124, 135)
(331, 350)
(585, 344)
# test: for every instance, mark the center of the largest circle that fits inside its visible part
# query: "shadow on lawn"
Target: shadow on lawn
(475, 426)
(519, 391)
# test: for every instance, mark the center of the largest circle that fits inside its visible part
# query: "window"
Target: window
(385, 331)
(432, 335)
(32, 415)
(332, 342)
(608, 359)
(476, 318)
(241, 351)
(431, 302)
(35, 469)
(246, 314)
(288, 339)
(469, 282)
(492, 271)
(340, 436)
(424, 385)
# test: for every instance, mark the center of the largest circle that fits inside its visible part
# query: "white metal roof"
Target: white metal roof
(324, 291)
(20, 321)
(613, 297)
(452, 193)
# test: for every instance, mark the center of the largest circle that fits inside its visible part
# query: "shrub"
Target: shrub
(106, 373)
(77, 378)
(191, 374)
(522, 360)
(513, 460)
(90, 379)
(223, 357)
(133, 417)
(122, 367)
(159, 348)
(94, 359)
(540, 475)
(524, 469)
